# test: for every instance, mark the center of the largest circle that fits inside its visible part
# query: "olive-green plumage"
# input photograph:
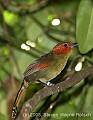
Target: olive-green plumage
(55, 63)
(45, 68)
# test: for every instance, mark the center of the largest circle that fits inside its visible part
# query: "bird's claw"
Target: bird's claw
(49, 84)
(46, 83)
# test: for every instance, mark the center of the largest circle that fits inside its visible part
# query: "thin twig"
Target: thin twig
(37, 4)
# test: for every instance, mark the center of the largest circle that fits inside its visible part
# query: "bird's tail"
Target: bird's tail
(18, 98)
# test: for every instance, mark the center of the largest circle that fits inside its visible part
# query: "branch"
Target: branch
(8, 40)
(37, 4)
(46, 91)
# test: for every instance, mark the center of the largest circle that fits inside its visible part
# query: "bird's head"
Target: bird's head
(64, 47)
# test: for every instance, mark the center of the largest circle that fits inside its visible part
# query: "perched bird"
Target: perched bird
(44, 69)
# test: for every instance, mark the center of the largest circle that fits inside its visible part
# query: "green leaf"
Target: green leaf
(3, 117)
(10, 18)
(84, 26)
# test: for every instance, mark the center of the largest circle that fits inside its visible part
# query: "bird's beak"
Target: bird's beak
(74, 44)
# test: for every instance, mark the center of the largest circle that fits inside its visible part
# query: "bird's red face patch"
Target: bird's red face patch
(63, 48)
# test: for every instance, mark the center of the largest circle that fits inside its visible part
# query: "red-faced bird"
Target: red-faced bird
(45, 69)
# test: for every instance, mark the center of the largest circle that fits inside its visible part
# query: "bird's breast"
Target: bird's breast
(53, 70)
(50, 72)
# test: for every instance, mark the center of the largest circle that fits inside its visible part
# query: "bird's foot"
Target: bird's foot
(49, 84)
(46, 83)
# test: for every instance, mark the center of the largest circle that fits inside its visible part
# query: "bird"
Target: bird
(44, 69)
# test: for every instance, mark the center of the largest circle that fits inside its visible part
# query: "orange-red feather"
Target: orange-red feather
(35, 67)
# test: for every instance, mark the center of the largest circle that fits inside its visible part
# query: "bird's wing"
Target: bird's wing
(34, 67)
(39, 64)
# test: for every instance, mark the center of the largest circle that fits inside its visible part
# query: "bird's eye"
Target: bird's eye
(65, 45)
